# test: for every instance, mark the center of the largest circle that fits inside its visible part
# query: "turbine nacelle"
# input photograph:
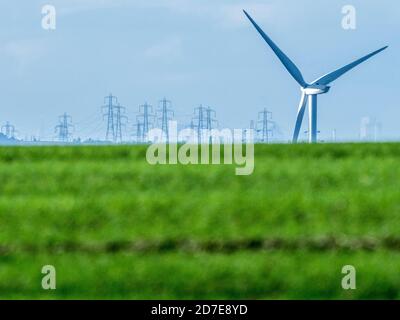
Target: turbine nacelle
(314, 89)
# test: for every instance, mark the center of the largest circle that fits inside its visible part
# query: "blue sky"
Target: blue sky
(196, 52)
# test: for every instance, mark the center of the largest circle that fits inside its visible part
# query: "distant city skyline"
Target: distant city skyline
(193, 53)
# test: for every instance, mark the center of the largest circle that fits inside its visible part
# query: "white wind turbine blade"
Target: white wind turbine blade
(330, 77)
(300, 116)
(289, 65)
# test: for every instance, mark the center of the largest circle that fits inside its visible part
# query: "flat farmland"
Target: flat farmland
(116, 227)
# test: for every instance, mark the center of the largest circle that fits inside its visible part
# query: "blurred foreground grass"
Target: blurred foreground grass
(116, 227)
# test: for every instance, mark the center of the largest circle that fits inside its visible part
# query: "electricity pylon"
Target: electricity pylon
(63, 128)
(165, 114)
(266, 125)
(137, 133)
(114, 113)
(120, 120)
(252, 129)
(204, 121)
(145, 120)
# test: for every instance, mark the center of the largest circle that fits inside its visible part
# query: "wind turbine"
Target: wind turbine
(310, 91)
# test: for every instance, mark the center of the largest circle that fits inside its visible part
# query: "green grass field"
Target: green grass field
(116, 227)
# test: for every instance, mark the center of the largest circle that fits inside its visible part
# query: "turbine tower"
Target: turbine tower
(310, 91)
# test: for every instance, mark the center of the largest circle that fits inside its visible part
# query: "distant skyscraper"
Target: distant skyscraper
(370, 129)
(8, 130)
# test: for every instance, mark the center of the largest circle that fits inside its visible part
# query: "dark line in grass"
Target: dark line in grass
(215, 246)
